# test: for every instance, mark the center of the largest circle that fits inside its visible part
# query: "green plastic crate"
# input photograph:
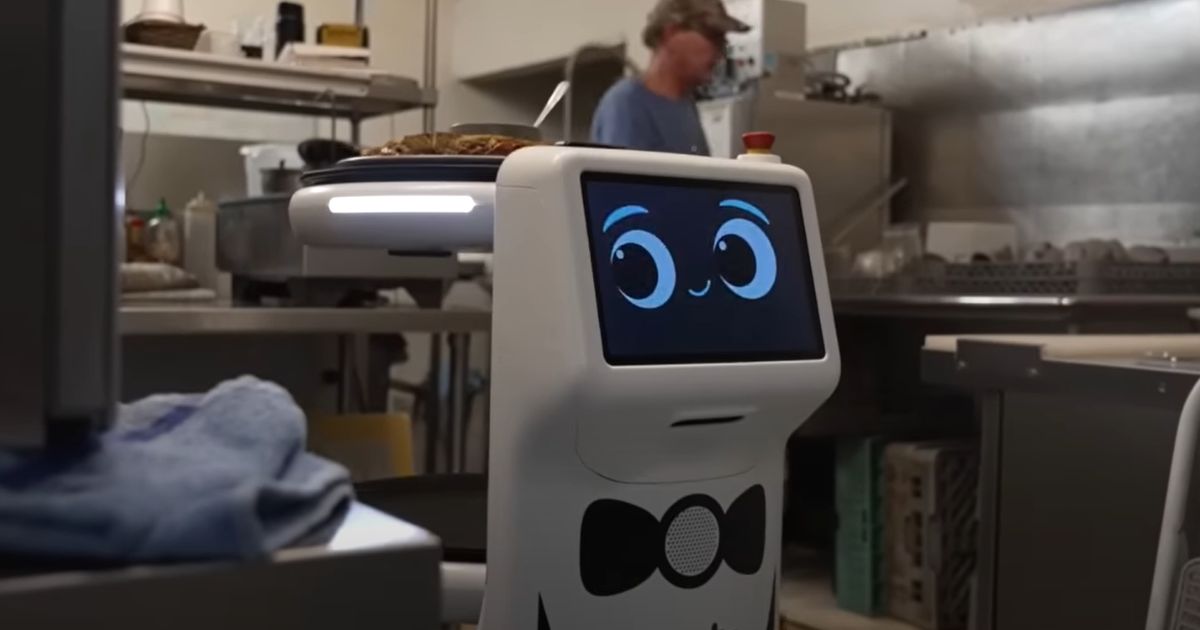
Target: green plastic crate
(858, 558)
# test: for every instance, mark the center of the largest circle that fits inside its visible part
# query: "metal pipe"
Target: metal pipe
(359, 12)
(429, 77)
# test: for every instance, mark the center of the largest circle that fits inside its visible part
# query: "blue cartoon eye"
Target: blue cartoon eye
(745, 258)
(644, 269)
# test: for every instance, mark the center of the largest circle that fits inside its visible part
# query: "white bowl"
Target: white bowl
(158, 16)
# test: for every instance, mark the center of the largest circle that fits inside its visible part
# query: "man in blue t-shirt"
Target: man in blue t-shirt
(655, 111)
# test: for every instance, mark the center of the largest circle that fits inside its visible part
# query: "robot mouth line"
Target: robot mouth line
(702, 292)
(703, 421)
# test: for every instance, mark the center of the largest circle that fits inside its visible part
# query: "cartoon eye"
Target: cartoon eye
(745, 258)
(644, 269)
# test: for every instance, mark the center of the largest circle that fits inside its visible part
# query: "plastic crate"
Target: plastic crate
(1064, 278)
(1187, 598)
(930, 528)
(858, 558)
(1036, 278)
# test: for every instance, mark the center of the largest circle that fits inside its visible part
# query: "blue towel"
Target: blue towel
(221, 475)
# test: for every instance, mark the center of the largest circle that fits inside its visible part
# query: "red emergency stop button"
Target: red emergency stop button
(758, 141)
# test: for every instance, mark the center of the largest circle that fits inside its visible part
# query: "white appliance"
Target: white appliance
(775, 46)
(845, 147)
(661, 325)
(262, 157)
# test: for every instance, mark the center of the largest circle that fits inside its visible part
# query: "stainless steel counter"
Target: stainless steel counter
(359, 574)
(1030, 306)
(225, 320)
(1075, 453)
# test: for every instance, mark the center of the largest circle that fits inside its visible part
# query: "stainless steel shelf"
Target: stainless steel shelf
(230, 320)
(1036, 306)
(192, 78)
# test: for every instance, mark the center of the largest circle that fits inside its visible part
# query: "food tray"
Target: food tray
(1035, 278)
(407, 168)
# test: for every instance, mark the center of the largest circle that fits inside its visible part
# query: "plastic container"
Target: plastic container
(135, 238)
(200, 240)
(163, 241)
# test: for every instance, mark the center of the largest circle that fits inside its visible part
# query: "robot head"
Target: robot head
(673, 309)
(690, 271)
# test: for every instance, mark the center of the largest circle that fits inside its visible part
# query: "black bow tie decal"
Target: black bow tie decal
(621, 545)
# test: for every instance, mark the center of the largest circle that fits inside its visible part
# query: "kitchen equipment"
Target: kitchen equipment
(423, 203)
(256, 243)
(323, 152)
(557, 95)
(161, 10)
(220, 43)
(280, 179)
(512, 130)
(289, 25)
(260, 157)
(847, 148)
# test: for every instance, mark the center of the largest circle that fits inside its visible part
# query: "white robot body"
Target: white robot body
(661, 325)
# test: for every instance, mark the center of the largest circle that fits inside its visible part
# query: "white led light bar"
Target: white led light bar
(394, 204)
(396, 216)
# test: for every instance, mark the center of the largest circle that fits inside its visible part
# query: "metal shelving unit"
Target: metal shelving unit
(175, 76)
(206, 319)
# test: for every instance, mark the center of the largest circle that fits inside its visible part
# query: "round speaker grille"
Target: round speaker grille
(693, 538)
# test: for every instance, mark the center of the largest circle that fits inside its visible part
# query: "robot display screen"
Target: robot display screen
(698, 271)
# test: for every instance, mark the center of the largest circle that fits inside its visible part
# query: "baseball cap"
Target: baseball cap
(707, 15)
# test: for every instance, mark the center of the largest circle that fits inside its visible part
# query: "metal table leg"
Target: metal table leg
(455, 443)
(435, 410)
(465, 410)
(991, 417)
(344, 383)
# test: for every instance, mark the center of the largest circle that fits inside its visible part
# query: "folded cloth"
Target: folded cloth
(178, 477)
(147, 276)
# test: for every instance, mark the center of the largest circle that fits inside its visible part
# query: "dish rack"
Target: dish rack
(1030, 278)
